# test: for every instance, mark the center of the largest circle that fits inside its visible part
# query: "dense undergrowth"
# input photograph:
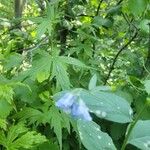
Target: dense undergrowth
(74, 74)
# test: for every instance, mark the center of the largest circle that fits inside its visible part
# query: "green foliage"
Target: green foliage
(95, 51)
(18, 137)
(140, 135)
(93, 138)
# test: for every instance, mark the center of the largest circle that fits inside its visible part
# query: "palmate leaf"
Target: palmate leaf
(93, 138)
(18, 137)
(41, 64)
(45, 115)
(6, 92)
(3, 124)
(48, 22)
(34, 116)
(140, 135)
(72, 61)
(59, 70)
(13, 60)
(56, 123)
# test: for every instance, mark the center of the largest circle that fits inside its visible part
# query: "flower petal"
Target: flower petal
(66, 101)
(80, 110)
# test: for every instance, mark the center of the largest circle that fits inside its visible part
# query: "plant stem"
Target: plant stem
(132, 126)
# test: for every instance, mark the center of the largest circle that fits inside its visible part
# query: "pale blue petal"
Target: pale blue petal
(66, 101)
(80, 111)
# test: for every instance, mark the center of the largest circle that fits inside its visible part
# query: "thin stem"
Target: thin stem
(117, 55)
(132, 126)
(98, 8)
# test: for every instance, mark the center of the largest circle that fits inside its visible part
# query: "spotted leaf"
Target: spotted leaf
(93, 138)
(140, 135)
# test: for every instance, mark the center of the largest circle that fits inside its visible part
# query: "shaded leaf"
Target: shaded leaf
(140, 135)
(93, 138)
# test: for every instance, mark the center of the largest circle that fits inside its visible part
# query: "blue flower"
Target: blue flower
(80, 110)
(66, 102)
(71, 104)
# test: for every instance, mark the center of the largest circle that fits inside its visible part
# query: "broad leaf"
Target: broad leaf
(92, 83)
(108, 106)
(147, 86)
(140, 135)
(137, 7)
(93, 138)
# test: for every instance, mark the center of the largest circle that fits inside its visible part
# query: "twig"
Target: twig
(33, 47)
(98, 8)
(120, 2)
(117, 55)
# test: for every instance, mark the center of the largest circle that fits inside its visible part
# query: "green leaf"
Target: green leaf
(59, 70)
(137, 7)
(34, 116)
(140, 135)
(40, 64)
(3, 124)
(56, 124)
(5, 109)
(19, 137)
(93, 138)
(42, 76)
(48, 146)
(13, 60)
(147, 86)
(42, 28)
(144, 25)
(100, 21)
(107, 106)
(28, 140)
(6, 92)
(92, 83)
(72, 61)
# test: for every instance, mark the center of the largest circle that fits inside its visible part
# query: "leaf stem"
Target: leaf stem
(132, 126)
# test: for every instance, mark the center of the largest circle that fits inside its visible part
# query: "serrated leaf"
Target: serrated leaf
(140, 135)
(28, 140)
(59, 70)
(45, 66)
(42, 28)
(56, 124)
(93, 138)
(34, 116)
(19, 137)
(6, 93)
(3, 124)
(92, 83)
(72, 61)
(107, 106)
(12, 61)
